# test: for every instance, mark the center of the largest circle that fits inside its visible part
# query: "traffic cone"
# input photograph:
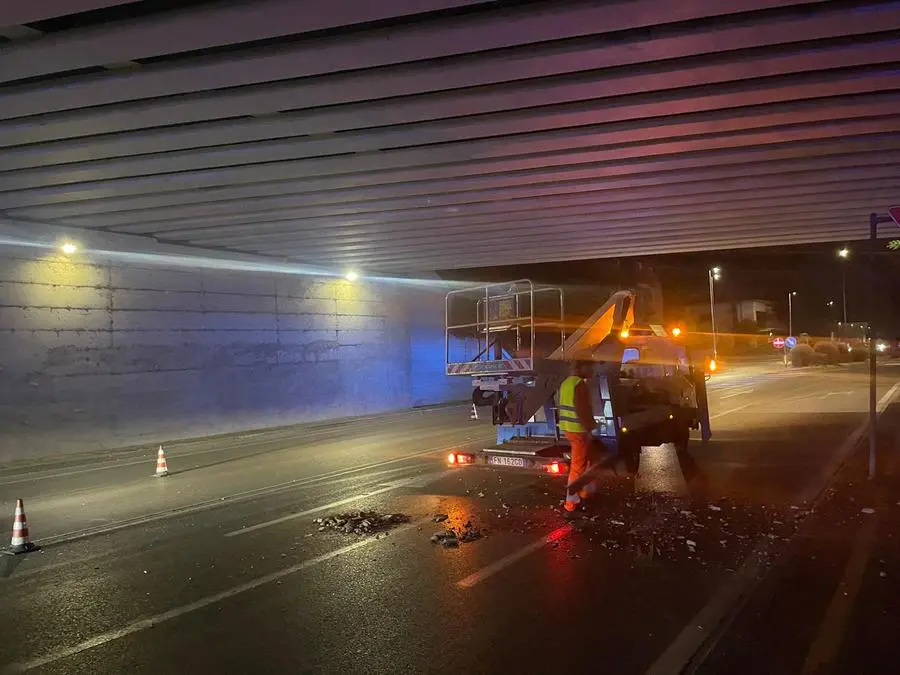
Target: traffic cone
(20, 543)
(162, 469)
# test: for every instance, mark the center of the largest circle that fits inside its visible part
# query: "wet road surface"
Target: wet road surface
(221, 567)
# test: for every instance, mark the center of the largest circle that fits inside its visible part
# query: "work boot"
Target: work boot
(590, 507)
(569, 516)
(574, 514)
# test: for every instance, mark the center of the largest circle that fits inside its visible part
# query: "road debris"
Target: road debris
(450, 538)
(446, 538)
(867, 511)
(470, 533)
(360, 522)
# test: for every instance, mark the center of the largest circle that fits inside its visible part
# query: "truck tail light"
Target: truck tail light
(556, 468)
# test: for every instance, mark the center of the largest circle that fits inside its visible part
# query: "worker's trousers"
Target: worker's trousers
(581, 446)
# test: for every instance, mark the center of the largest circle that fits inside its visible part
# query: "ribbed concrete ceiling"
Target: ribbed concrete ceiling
(423, 134)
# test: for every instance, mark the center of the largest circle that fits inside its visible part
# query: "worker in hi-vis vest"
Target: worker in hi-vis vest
(576, 421)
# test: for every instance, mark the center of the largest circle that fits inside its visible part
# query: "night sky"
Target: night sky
(814, 271)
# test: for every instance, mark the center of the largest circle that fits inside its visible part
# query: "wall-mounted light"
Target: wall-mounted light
(352, 275)
(69, 248)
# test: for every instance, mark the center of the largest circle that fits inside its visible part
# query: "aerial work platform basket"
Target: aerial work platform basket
(513, 339)
(502, 328)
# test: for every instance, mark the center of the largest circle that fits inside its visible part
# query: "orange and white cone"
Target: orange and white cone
(21, 542)
(162, 469)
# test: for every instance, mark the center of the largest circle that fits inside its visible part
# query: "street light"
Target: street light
(714, 274)
(791, 295)
(844, 254)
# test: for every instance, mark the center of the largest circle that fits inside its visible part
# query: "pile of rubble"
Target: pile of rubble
(668, 527)
(452, 538)
(360, 522)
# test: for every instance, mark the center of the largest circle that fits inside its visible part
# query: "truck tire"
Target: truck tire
(680, 434)
(629, 450)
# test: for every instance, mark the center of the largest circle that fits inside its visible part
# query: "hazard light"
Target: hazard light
(460, 458)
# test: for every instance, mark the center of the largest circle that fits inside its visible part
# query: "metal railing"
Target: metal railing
(488, 312)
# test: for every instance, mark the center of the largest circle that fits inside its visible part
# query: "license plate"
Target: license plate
(507, 461)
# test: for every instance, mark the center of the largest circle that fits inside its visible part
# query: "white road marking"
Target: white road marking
(506, 561)
(742, 392)
(225, 500)
(728, 412)
(407, 482)
(307, 512)
(148, 454)
(830, 636)
(686, 645)
(150, 622)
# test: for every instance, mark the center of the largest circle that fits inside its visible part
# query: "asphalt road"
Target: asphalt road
(221, 568)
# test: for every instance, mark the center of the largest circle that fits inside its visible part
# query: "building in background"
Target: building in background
(745, 324)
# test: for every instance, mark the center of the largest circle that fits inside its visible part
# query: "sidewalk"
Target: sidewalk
(832, 605)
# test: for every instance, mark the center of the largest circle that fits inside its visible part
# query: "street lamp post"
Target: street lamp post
(714, 274)
(830, 303)
(843, 254)
(791, 295)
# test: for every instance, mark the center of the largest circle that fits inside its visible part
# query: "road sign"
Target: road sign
(778, 343)
(790, 342)
(895, 214)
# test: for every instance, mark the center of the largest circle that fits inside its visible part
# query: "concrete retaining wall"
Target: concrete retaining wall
(99, 355)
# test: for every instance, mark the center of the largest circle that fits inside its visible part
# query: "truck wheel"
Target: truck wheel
(629, 449)
(680, 435)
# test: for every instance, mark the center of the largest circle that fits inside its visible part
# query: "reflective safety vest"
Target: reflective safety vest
(568, 415)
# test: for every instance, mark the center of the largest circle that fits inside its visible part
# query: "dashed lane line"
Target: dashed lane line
(504, 562)
(403, 482)
(225, 500)
(157, 619)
